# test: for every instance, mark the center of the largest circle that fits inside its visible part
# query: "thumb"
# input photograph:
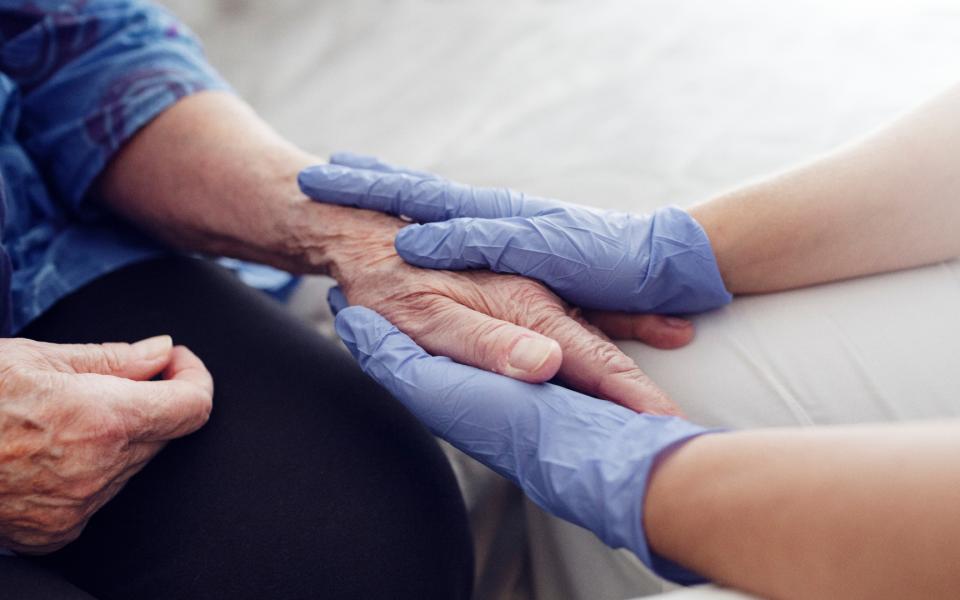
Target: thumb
(139, 361)
(157, 411)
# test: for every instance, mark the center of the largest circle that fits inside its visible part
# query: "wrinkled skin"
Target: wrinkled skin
(449, 314)
(78, 421)
(232, 191)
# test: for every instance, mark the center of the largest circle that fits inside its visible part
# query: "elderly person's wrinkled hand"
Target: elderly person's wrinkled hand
(451, 315)
(501, 323)
(78, 421)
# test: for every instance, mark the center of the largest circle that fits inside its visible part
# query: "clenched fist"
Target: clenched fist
(78, 421)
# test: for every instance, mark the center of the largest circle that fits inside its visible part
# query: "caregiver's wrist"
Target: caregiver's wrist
(711, 220)
(676, 510)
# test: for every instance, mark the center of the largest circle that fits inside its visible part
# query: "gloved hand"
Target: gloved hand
(608, 260)
(580, 458)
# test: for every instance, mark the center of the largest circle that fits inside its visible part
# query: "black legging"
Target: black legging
(308, 481)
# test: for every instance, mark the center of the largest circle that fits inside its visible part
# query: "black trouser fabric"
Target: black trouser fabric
(308, 481)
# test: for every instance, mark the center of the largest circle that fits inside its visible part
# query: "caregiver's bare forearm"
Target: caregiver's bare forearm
(209, 175)
(831, 512)
(890, 201)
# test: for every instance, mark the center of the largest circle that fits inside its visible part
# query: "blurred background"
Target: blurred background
(629, 104)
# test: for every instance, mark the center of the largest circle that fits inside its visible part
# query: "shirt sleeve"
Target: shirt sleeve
(91, 73)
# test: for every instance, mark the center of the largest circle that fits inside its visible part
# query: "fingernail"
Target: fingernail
(529, 354)
(676, 322)
(153, 347)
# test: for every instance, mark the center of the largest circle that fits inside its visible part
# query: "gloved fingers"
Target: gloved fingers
(533, 247)
(336, 299)
(423, 199)
(372, 163)
(397, 363)
(658, 331)
(544, 248)
(509, 245)
(447, 328)
(595, 366)
(489, 416)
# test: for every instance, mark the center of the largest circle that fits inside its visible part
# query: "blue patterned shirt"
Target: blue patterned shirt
(78, 78)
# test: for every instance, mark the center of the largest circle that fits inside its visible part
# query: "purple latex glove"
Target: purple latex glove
(607, 260)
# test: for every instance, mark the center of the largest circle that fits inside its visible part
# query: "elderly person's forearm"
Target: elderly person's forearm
(210, 175)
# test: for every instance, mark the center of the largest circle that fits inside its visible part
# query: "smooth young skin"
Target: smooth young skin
(78, 421)
(885, 203)
(209, 175)
(828, 512)
(865, 512)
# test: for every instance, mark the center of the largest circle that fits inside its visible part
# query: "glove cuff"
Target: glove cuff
(682, 275)
(630, 456)
(661, 566)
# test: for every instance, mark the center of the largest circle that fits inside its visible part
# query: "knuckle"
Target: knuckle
(418, 312)
(637, 375)
(55, 526)
(109, 433)
(23, 380)
(528, 293)
(491, 340)
(575, 313)
(88, 489)
(508, 297)
(611, 358)
(550, 321)
(108, 356)
(57, 540)
(206, 404)
(644, 326)
(112, 430)
(16, 376)
(204, 409)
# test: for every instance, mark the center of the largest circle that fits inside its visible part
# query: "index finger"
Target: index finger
(594, 365)
(422, 198)
(155, 411)
(186, 367)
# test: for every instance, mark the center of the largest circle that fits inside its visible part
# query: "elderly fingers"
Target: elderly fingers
(591, 363)
(654, 330)
(444, 327)
(141, 360)
(594, 365)
(154, 411)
